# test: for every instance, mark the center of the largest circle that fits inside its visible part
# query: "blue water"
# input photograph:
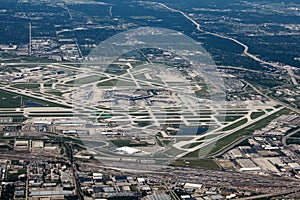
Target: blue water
(192, 130)
(31, 104)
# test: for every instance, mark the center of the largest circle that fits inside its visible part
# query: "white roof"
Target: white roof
(293, 165)
(192, 185)
(185, 196)
(42, 122)
(250, 169)
(97, 174)
(128, 150)
(141, 180)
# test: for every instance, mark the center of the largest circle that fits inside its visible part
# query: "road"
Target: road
(246, 52)
(185, 15)
(289, 135)
(73, 170)
(246, 48)
(292, 75)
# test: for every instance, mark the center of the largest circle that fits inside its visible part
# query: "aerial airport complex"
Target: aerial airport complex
(96, 103)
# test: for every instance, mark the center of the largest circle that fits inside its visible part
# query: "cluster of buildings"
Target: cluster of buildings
(98, 185)
(36, 180)
(37, 75)
(133, 97)
(36, 146)
(266, 153)
(232, 84)
(20, 50)
(70, 50)
(13, 179)
(188, 191)
(50, 179)
(46, 48)
(104, 186)
(291, 94)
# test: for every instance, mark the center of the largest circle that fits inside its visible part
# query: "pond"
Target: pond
(192, 130)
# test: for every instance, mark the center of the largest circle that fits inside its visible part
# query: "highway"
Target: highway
(246, 48)
(246, 52)
(185, 15)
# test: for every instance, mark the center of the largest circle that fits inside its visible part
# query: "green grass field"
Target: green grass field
(201, 163)
(86, 80)
(255, 115)
(297, 135)
(108, 83)
(228, 118)
(128, 143)
(27, 86)
(13, 100)
(236, 124)
(191, 145)
(293, 141)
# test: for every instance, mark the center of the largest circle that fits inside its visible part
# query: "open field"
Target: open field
(255, 115)
(201, 163)
(11, 100)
